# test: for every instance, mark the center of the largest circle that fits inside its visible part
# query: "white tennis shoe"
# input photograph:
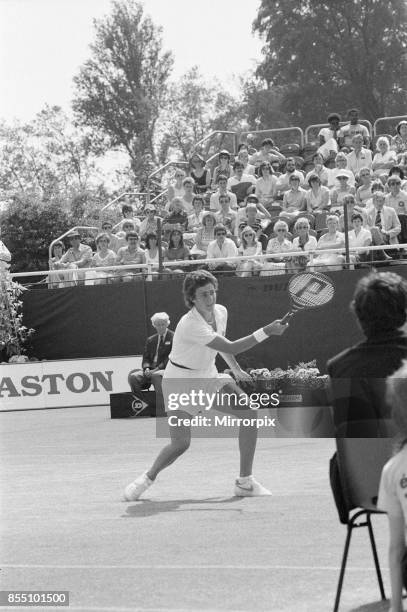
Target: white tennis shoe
(136, 488)
(250, 488)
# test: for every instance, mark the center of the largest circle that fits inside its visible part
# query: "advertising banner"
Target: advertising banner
(61, 384)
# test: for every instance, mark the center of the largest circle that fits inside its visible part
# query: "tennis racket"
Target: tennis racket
(308, 290)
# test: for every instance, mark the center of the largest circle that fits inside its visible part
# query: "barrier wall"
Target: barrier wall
(109, 320)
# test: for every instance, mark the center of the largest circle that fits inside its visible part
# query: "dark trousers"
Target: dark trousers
(139, 382)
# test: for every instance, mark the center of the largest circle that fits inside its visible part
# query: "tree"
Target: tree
(13, 334)
(120, 89)
(195, 107)
(333, 55)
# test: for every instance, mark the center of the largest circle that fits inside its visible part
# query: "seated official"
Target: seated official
(155, 358)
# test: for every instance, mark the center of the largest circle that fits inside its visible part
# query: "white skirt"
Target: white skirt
(192, 391)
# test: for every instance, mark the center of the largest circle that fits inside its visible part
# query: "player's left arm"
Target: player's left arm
(238, 373)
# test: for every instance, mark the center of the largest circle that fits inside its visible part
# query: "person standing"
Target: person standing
(199, 336)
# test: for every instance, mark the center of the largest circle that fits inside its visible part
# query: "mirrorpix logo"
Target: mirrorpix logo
(138, 406)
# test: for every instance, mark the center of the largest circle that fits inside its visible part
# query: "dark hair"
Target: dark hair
(237, 163)
(150, 236)
(314, 177)
(352, 110)
(397, 170)
(127, 208)
(380, 302)
(333, 116)
(265, 164)
(267, 141)
(196, 156)
(192, 282)
(356, 216)
(132, 235)
(222, 177)
(181, 240)
(241, 146)
(60, 244)
(218, 227)
(198, 198)
(376, 186)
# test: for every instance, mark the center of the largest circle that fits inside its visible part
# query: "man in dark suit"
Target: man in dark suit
(358, 374)
(155, 357)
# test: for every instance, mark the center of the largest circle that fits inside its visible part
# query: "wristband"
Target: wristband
(260, 335)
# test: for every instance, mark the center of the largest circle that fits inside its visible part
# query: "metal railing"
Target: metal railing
(151, 268)
(123, 195)
(281, 136)
(393, 120)
(220, 145)
(318, 126)
(64, 235)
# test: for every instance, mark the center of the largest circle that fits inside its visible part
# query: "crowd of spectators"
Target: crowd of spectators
(259, 202)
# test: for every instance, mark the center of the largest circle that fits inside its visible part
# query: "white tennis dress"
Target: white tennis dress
(190, 350)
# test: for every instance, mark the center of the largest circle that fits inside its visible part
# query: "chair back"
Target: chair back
(361, 457)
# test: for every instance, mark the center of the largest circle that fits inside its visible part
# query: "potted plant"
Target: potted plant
(299, 385)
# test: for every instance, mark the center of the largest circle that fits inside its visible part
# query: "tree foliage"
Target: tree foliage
(334, 55)
(195, 107)
(13, 334)
(121, 87)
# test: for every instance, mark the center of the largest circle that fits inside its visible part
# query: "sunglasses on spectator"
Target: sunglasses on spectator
(133, 239)
(281, 230)
(221, 233)
(106, 227)
(302, 226)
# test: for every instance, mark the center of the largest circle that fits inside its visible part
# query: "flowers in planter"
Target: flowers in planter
(303, 375)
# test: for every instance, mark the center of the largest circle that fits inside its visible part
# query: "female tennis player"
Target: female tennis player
(198, 338)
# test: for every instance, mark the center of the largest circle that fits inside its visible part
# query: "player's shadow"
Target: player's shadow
(377, 606)
(145, 507)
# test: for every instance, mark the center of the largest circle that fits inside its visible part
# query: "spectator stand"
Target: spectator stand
(163, 174)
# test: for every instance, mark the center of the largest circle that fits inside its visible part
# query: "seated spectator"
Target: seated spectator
(283, 181)
(364, 191)
(58, 279)
(360, 157)
(268, 153)
(262, 212)
(128, 215)
(353, 128)
(398, 171)
(128, 226)
(204, 235)
(226, 216)
(241, 184)
(359, 236)
(280, 243)
(352, 207)
(266, 185)
(384, 159)
(189, 186)
(176, 251)
(333, 239)
(392, 496)
(77, 256)
(294, 199)
(304, 241)
(150, 223)
(104, 256)
(151, 253)
(249, 246)
(195, 218)
(253, 220)
(397, 198)
(377, 185)
(224, 168)
(328, 137)
(222, 248)
(107, 228)
(130, 254)
(399, 141)
(317, 198)
(341, 164)
(250, 139)
(222, 190)
(339, 193)
(176, 190)
(319, 170)
(383, 223)
(177, 216)
(243, 156)
(200, 173)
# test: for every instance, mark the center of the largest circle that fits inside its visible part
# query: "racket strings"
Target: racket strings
(309, 290)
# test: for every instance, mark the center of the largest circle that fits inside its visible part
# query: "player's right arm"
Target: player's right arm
(234, 347)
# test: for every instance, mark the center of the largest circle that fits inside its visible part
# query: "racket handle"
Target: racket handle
(287, 317)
